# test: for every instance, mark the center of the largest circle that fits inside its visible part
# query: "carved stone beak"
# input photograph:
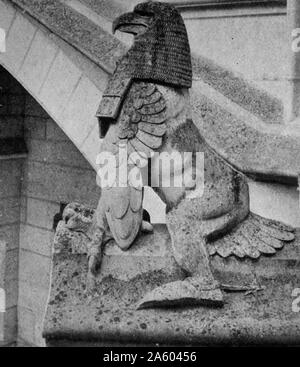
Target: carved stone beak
(132, 23)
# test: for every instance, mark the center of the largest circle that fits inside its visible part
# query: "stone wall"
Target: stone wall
(11, 125)
(32, 187)
(253, 42)
(55, 172)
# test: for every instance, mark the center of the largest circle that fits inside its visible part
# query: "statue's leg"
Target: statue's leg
(100, 235)
(189, 248)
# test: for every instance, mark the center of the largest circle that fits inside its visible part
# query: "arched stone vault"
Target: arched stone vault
(64, 82)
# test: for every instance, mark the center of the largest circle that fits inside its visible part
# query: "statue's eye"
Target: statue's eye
(144, 13)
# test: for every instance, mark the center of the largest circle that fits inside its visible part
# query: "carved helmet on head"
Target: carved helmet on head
(161, 51)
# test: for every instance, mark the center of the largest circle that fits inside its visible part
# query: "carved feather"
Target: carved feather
(152, 141)
(141, 127)
(254, 237)
(156, 130)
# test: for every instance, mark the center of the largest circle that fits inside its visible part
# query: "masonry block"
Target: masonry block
(10, 325)
(33, 297)
(9, 83)
(16, 104)
(3, 247)
(8, 300)
(33, 108)
(10, 234)
(79, 115)
(91, 146)
(11, 126)
(2, 289)
(26, 324)
(10, 178)
(36, 239)
(4, 104)
(5, 77)
(15, 87)
(2, 321)
(35, 127)
(58, 153)
(11, 289)
(31, 311)
(38, 61)
(63, 184)
(59, 85)
(7, 14)
(40, 212)
(11, 265)
(34, 269)
(18, 43)
(54, 132)
(280, 202)
(9, 211)
(23, 209)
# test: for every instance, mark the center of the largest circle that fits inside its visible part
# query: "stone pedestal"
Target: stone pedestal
(258, 295)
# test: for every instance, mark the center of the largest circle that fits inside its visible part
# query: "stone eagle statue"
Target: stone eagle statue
(146, 108)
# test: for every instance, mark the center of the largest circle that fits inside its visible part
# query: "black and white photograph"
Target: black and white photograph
(149, 176)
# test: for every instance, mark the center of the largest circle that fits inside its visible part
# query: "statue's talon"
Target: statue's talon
(90, 283)
(95, 257)
(93, 265)
(147, 227)
(181, 294)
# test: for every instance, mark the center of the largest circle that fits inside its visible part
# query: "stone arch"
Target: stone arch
(67, 84)
(61, 79)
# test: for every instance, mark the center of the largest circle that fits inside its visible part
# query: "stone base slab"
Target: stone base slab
(259, 302)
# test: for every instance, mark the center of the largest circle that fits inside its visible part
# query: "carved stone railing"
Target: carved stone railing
(224, 3)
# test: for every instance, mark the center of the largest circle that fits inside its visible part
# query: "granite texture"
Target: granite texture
(258, 296)
(75, 29)
(265, 155)
(267, 108)
(107, 8)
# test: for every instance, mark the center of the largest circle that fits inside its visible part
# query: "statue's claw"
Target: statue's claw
(189, 292)
(147, 227)
(94, 262)
(95, 257)
(93, 265)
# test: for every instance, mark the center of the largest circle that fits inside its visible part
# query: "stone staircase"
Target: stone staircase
(269, 154)
(62, 51)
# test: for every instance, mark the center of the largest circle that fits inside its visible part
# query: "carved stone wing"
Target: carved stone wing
(254, 237)
(142, 122)
(136, 135)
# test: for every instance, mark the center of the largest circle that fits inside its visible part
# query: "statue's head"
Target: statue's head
(161, 50)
